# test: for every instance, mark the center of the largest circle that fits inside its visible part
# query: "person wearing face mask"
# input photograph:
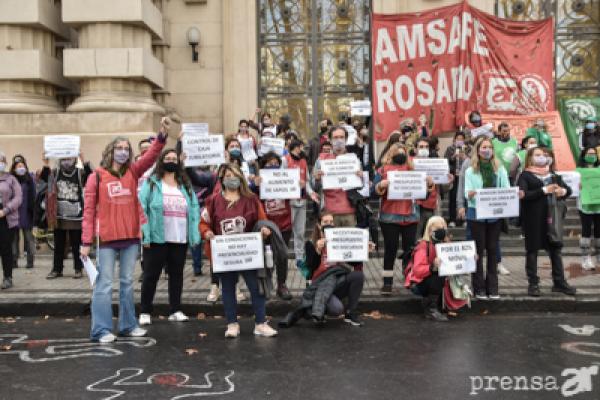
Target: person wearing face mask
(516, 166)
(589, 214)
(10, 201)
(331, 283)
(485, 172)
(265, 126)
(112, 209)
(540, 132)
(232, 211)
(397, 218)
(65, 205)
(20, 170)
(243, 133)
(421, 275)
(171, 223)
(540, 187)
(314, 144)
(505, 147)
(456, 154)
(590, 135)
(475, 119)
(363, 149)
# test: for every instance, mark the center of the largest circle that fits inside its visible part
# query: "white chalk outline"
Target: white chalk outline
(573, 347)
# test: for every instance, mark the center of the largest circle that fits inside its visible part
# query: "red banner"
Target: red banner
(439, 64)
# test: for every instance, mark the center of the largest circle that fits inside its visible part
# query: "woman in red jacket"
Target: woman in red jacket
(112, 212)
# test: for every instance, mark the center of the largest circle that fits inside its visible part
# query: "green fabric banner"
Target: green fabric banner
(590, 186)
(573, 113)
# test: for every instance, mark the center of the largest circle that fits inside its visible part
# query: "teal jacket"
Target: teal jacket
(151, 199)
(474, 181)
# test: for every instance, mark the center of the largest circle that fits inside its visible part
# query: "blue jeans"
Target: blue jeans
(102, 297)
(197, 258)
(228, 282)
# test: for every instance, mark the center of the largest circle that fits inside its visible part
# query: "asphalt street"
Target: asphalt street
(530, 356)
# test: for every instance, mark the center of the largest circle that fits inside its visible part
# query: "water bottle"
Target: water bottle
(269, 257)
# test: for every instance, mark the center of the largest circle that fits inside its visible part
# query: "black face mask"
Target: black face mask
(399, 158)
(170, 166)
(438, 235)
(323, 130)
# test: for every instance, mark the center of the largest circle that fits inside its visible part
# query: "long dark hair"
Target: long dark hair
(180, 175)
(581, 161)
(18, 158)
(393, 139)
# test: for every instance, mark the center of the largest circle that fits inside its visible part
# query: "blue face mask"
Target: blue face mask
(235, 153)
(590, 125)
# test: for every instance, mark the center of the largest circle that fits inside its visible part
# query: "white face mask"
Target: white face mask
(531, 146)
(2, 167)
(423, 153)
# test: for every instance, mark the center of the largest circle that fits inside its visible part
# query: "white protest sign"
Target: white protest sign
(90, 270)
(436, 168)
(268, 144)
(237, 252)
(347, 244)
(280, 184)
(61, 146)
(366, 189)
(407, 185)
(203, 150)
(352, 135)
(456, 258)
(269, 131)
(484, 130)
(248, 152)
(340, 173)
(360, 108)
(573, 180)
(497, 203)
(195, 129)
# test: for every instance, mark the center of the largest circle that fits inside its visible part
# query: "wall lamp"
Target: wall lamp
(193, 37)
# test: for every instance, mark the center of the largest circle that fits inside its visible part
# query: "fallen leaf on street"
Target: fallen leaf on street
(8, 320)
(203, 335)
(218, 317)
(5, 347)
(161, 317)
(201, 316)
(69, 320)
(191, 352)
(46, 316)
(378, 315)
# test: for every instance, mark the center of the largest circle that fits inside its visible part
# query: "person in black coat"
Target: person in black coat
(538, 183)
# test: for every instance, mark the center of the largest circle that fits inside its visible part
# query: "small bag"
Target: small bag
(557, 210)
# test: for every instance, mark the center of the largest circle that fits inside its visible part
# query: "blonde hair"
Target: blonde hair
(475, 156)
(386, 159)
(436, 219)
(237, 172)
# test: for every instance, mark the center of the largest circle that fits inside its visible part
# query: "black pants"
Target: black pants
(558, 272)
(351, 289)
(391, 241)
(156, 257)
(282, 270)
(452, 201)
(587, 220)
(486, 237)
(431, 289)
(6, 238)
(60, 238)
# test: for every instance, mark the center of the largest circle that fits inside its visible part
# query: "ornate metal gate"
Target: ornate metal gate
(314, 58)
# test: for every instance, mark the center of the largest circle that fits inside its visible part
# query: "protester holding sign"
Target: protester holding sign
(112, 209)
(235, 209)
(589, 214)
(64, 210)
(542, 191)
(10, 200)
(485, 172)
(171, 225)
(397, 218)
(505, 147)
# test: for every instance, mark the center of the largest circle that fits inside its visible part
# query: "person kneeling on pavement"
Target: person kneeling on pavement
(332, 283)
(439, 293)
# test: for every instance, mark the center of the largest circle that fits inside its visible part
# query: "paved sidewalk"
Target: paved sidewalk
(33, 289)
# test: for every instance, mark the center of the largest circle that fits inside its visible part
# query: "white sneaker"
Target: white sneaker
(108, 338)
(233, 330)
(502, 270)
(145, 319)
(178, 317)
(481, 296)
(213, 295)
(239, 295)
(494, 297)
(136, 332)
(264, 330)
(587, 263)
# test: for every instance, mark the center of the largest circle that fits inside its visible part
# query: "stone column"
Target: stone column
(114, 63)
(29, 69)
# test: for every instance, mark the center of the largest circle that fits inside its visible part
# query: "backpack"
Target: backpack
(39, 206)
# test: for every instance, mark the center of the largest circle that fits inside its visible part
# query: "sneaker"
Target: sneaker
(239, 295)
(145, 319)
(502, 270)
(452, 225)
(213, 295)
(564, 288)
(264, 330)
(78, 275)
(436, 315)
(587, 263)
(494, 297)
(481, 296)
(178, 317)
(107, 338)
(136, 332)
(386, 290)
(352, 319)
(7, 283)
(233, 330)
(534, 291)
(283, 292)
(54, 275)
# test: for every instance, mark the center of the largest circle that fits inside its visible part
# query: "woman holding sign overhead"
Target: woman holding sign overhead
(485, 172)
(397, 218)
(233, 210)
(541, 192)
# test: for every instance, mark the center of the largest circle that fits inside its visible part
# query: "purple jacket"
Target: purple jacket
(10, 191)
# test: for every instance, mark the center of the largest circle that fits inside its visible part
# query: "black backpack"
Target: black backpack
(39, 205)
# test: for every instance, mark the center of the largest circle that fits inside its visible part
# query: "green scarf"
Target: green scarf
(487, 173)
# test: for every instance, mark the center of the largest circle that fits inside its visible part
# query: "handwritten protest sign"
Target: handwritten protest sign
(436, 168)
(195, 129)
(61, 146)
(456, 258)
(203, 150)
(237, 252)
(248, 152)
(590, 185)
(347, 244)
(497, 203)
(572, 179)
(268, 144)
(280, 184)
(340, 172)
(406, 185)
(360, 108)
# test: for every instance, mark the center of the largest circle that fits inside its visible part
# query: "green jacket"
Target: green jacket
(505, 151)
(151, 199)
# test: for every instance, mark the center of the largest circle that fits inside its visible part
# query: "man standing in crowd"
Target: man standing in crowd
(505, 147)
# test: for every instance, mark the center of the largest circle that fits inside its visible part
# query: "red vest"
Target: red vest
(280, 213)
(239, 218)
(336, 200)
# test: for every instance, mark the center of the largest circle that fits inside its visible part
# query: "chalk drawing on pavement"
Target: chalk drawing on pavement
(585, 330)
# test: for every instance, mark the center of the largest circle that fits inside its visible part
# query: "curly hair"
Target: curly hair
(108, 154)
